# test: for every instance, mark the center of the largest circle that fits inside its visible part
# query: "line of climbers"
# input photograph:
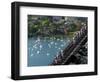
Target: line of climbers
(76, 39)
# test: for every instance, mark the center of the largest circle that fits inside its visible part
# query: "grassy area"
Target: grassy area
(70, 34)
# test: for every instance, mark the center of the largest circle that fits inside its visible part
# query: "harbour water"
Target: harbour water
(42, 50)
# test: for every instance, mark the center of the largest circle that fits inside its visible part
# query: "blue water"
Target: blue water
(41, 51)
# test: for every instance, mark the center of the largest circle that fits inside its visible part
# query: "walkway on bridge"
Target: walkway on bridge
(72, 49)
